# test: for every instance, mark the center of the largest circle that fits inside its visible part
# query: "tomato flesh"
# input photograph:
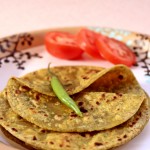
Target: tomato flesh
(86, 40)
(62, 45)
(68, 46)
(115, 51)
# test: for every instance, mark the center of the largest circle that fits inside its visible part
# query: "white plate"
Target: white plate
(25, 52)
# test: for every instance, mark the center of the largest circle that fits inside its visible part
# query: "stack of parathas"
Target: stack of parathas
(115, 108)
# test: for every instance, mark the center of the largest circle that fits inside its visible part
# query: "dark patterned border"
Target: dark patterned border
(10, 53)
(142, 51)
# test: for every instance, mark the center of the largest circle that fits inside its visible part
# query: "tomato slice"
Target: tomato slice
(115, 51)
(86, 40)
(62, 45)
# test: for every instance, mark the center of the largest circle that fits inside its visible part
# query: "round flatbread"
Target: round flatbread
(43, 139)
(101, 110)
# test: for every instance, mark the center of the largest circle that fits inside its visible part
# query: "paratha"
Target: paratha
(77, 78)
(101, 110)
(43, 139)
(13, 141)
(73, 78)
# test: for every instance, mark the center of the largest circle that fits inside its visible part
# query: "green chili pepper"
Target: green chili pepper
(62, 94)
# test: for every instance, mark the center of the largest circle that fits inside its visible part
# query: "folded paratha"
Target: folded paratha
(43, 139)
(73, 78)
(101, 110)
(115, 109)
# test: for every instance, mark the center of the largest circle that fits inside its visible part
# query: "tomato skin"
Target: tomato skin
(86, 40)
(115, 51)
(67, 46)
(62, 45)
